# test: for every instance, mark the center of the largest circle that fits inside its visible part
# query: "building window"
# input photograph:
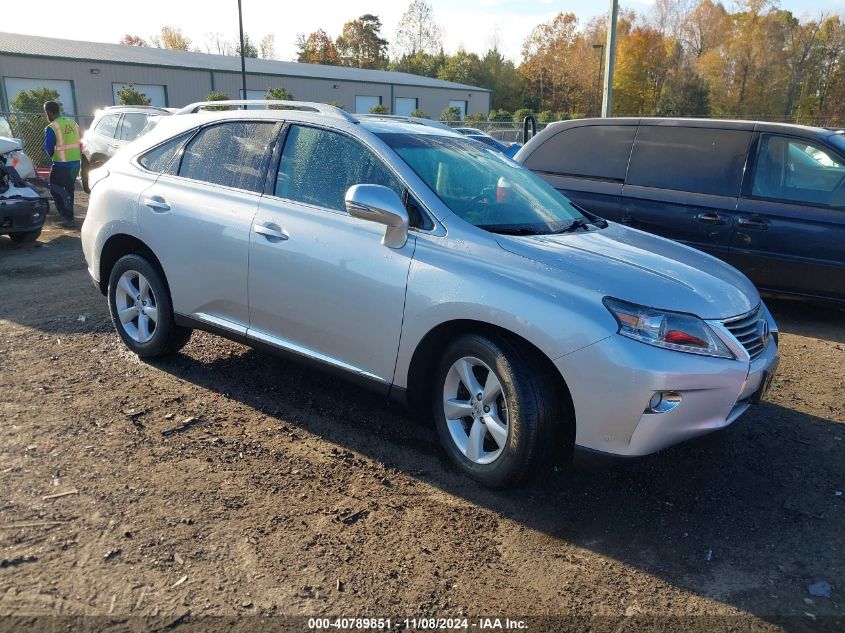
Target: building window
(363, 103)
(403, 106)
(156, 94)
(460, 105)
(64, 88)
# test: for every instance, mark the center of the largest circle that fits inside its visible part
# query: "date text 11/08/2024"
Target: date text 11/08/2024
(431, 624)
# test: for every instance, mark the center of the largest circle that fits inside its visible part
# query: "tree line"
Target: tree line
(680, 58)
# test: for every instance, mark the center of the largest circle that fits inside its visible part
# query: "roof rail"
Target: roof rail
(322, 108)
(407, 119)
(142, 107)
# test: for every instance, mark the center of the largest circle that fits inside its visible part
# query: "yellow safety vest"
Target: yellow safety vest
(67, 140)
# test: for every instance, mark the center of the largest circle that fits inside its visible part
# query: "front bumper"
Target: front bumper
(20, 215)
(612, 381)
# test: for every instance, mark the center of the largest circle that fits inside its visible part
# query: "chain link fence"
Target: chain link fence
(29, 127)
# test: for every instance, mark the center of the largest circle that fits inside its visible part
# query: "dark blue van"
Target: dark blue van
(768, 198)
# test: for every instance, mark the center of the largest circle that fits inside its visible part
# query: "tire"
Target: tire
(141, 310)
(529, 404)
(24, 238)
(83, 175)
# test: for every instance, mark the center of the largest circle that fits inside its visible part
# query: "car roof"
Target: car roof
(731, 124)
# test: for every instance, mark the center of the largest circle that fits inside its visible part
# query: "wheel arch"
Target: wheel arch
(122, 244)
(426, 354)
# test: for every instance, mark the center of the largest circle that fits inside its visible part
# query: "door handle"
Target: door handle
(710, 217)
(157, 203)
(271, 231)
(753, 223)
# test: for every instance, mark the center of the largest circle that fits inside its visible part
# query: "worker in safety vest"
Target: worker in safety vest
(61, 142)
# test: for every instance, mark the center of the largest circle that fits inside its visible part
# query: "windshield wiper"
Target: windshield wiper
(575, 225)
(512, 230)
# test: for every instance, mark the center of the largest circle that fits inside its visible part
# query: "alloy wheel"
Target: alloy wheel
(137, 307)
(475, 409)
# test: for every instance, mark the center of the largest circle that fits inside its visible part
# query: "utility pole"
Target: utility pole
(243, 59)
(610, 59)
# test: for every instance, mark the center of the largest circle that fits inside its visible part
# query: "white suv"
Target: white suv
(430, 268)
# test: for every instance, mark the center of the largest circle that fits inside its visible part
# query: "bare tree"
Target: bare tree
(418, 32)
(217, 44)
(267, 47)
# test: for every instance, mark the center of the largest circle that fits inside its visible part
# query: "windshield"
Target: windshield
(482, 186)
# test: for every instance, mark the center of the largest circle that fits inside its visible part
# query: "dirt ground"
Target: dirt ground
(228, 482)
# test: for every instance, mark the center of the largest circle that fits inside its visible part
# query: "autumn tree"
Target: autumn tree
(418, 32)
(360, 45)
(133, 40)
(316, 48)
(172, 39)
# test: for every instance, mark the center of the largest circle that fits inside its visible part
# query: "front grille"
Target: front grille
(751, 331)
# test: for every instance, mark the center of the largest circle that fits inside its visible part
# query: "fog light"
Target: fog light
(663, 401)
(36, 216)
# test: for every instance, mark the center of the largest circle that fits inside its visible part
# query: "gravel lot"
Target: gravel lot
(228, 482)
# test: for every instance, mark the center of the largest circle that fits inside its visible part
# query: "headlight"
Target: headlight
(670, 330)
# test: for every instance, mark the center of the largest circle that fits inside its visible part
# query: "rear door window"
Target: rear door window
(158, 158)
(131, 126)
(107, 126)
(589, 151)
(796, 170)
(229, 154)
(697, 160)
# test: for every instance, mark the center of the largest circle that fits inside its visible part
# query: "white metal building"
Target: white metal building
(87, 76)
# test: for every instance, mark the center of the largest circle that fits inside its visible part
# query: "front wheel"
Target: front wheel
(141, 310)
(498, 414)
(83, 176)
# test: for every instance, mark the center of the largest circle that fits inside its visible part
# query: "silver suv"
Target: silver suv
(432, 269)
(112, 128)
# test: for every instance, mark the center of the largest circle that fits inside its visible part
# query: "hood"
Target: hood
(641, 268)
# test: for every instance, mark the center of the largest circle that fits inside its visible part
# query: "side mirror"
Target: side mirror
(381, 205)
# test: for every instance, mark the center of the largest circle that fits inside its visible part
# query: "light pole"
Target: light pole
(610, 58)
(600, 49)
(243, 59)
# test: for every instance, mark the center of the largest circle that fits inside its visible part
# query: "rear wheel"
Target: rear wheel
(141, 310)
(27, 236)
(498, 414)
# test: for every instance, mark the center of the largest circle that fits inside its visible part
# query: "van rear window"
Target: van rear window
(698, 160)
(589, 151)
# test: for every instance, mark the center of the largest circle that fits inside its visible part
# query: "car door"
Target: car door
(683, 183)
(587, 163)
(321, 283)
(789, 234)
(196, 218)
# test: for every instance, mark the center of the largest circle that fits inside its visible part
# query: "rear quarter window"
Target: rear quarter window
(697, 160)
(590, 151)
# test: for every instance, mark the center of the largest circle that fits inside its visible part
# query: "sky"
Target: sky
(472, 24)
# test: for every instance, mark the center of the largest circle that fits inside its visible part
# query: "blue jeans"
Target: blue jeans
(64, 177)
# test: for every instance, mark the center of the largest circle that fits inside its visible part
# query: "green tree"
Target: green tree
(499, 115)
(462, 68)
(337, 104)
(501, 76)
(450, 114)
(420, 114)
(277, 94)
(360, 45)
(30, 125)
(250, 49)
(129, 95)
(214, 95)
(420, 63)
(519, 115)
(379, 108)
